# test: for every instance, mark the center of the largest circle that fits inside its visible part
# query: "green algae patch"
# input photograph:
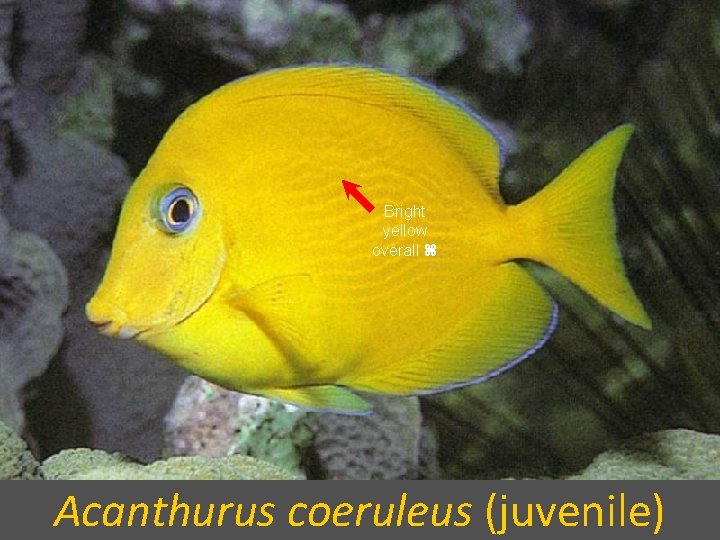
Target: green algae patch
(87, 464)
(666, 455)
(16, 461)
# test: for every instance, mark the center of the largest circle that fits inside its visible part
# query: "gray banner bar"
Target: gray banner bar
(307, 509)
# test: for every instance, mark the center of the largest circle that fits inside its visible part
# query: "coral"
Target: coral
(665, 455)
(16, 461)
(228, 468)
(7, 93)
(87, 108)
(51, 35)
(128, 81)
(503, 31)
(7, 90)
(266, 24)
(7, 15)
(202, 420)
(76, 462)
(420, 43)
(386, 444)
(86, 464)
(252, 34)
(33, 296)
(322, 31)
(68, 195)
(61, 182)
(207, 420)
(608, 4)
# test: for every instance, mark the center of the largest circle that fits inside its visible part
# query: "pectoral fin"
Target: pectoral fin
(281, 307)
(321, 398)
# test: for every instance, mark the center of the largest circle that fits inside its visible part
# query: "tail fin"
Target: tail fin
(570, 226)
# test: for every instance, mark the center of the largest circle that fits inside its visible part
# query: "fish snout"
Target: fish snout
(110, 322)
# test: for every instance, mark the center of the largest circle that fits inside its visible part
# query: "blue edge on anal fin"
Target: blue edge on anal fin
(506, 366)
(552, 325)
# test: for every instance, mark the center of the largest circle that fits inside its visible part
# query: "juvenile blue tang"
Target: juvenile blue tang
(239, 256)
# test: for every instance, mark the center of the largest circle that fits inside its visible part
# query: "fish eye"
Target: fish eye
(178, 210)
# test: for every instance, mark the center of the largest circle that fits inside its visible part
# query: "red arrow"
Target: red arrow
(352, 189)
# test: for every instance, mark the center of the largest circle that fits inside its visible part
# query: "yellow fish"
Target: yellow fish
(239, 256)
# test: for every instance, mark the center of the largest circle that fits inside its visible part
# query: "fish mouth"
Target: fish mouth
(119, 331)
(113, 321)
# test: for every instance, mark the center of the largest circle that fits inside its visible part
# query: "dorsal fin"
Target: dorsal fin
(464, 130)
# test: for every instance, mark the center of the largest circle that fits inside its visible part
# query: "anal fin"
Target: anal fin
(515, 317)
(320, 398)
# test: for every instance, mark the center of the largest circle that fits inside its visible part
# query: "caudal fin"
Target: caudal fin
(570, 226)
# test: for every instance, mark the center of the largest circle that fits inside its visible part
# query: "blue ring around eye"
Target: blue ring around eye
(179, 210)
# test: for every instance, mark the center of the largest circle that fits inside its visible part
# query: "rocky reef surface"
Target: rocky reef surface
(665, 455)
(677, 454)
(391, 443)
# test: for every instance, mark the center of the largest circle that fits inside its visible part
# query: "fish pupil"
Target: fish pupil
(180, 211)
(176, 210)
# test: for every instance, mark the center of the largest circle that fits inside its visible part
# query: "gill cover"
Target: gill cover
(167, 257)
